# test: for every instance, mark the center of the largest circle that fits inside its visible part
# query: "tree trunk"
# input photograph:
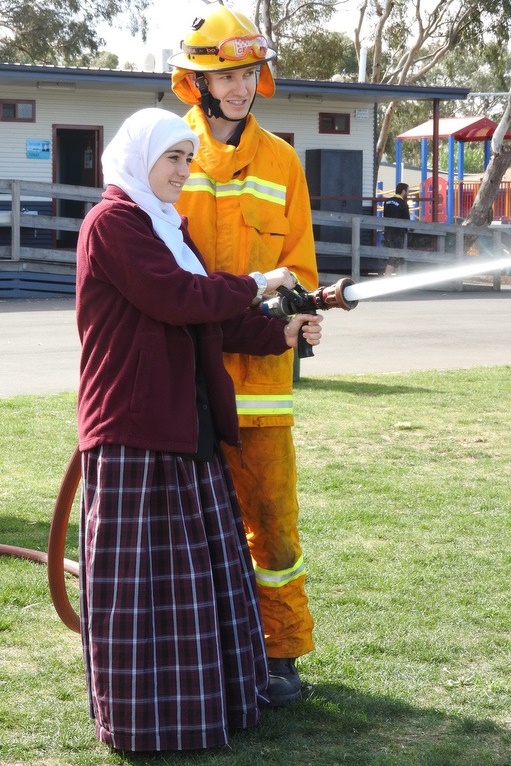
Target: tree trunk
(481, 212)
(384, 131)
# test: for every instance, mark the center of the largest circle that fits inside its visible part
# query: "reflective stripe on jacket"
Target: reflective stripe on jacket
(271, 579)
(248, 210)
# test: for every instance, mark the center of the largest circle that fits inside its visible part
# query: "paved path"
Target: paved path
(416, 331)
(39, 349)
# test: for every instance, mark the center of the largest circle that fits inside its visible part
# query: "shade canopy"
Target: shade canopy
(460, 128)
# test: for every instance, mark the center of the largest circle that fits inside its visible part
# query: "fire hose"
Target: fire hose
(343, 294)
(288, 303)
(57, 543)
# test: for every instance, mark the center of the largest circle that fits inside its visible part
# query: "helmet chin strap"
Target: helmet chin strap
(211, 105)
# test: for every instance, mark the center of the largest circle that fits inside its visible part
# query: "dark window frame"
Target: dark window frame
(333, 117)
(288, 137)
(16, 102)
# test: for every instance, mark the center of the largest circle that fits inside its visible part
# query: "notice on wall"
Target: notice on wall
(38, 150)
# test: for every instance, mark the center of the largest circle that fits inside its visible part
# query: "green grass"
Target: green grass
(405, 524)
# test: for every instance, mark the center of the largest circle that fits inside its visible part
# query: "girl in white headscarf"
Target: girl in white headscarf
(170, 625)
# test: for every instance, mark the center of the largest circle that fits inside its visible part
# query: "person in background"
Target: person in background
(248, 205)
(395, 207)
(170, 624)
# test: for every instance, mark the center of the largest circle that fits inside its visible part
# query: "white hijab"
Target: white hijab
(127, 161)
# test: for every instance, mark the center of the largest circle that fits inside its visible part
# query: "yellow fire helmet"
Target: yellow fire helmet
(223, 39)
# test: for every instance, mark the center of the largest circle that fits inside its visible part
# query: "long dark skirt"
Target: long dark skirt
(171, 631)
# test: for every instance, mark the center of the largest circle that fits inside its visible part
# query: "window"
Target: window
(17, 111)
(289, 137)
(329, 122)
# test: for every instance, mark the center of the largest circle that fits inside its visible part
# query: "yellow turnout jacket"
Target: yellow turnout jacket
(248, 209)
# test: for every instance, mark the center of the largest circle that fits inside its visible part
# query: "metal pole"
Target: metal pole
(436, 131)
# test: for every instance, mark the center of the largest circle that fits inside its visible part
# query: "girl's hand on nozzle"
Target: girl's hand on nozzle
(311, 329)
(281, 277)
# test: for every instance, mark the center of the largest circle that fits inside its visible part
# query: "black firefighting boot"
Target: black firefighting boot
(285, 686)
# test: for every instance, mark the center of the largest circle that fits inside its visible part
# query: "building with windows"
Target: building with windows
(55, 122)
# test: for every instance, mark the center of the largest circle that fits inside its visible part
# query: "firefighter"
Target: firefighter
(248, 208)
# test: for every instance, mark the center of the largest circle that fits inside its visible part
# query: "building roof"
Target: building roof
(75, 78)
(461, 128)
(362, 91)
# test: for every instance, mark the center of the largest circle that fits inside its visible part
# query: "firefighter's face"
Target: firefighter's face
(235, 89)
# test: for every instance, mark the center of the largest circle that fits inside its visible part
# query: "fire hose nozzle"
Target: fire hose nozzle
(298, 301)
(333, 295)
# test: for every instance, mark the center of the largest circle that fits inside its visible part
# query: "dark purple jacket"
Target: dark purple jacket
(133, 302)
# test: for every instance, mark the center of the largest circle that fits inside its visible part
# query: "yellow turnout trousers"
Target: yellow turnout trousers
(265, 481)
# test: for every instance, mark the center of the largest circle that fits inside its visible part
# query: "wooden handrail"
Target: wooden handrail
(49, 258)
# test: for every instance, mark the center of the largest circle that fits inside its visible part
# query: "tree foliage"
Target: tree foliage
(61, 31)
(409, 41)
(487, 72)
(279, 20)
(105, 60)
(318, 56)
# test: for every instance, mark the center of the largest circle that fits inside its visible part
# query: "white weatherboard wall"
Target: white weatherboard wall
(97, 106)
(283, 115)
(84, 107)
